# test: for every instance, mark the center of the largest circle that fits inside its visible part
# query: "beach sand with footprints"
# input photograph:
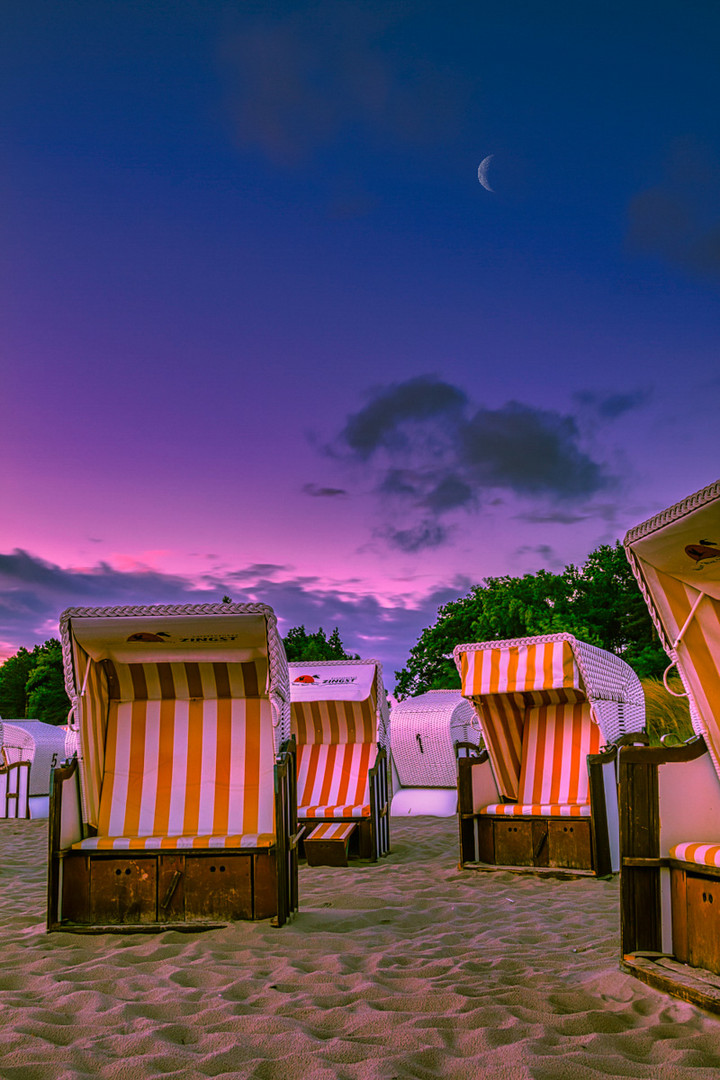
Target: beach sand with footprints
(407, 968)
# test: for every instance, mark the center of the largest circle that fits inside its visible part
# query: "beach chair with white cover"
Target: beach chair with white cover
(16, 754)
(48, 751)
(180, 807)
(544, 793)
(670, 795)
(424, 734)
(340, 722)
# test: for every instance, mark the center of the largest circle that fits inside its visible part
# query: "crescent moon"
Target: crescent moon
(483, 171)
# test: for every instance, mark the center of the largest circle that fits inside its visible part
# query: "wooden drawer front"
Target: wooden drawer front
(514, 843)
(569, 844)
(123, 890)
(218, 886)
(265, 886)
(703, 922)
(485, 839)
(76, 888)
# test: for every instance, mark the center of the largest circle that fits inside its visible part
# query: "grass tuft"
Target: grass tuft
(664, 713)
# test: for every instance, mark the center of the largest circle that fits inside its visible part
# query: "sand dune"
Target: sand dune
(409, 968)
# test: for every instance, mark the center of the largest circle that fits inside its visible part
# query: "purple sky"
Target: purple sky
(264, 333)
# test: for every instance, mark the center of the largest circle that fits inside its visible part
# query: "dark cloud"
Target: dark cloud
(426, 534)
(679, 218)
(33, 593)
(318, 492)
(259, 570)
(433, 489)
(614, 405)
(552, 517)
(299, 81)
(429, 452)
(383, 421)
(449, 493)
(529, 451)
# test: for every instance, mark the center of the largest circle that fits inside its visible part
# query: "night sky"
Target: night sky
(264, 333)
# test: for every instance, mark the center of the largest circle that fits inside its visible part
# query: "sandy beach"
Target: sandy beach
(409, 968)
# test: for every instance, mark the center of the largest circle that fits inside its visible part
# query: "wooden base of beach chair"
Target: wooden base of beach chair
(692, 972)
(171, 888)
(696, 985)
(540, 843)
(328, 844)
(695, 901)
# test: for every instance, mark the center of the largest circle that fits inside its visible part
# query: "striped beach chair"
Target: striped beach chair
(670, 795)
(424, 734)
(544, 794)
(339, 721)
(180, 807)
(16, 755)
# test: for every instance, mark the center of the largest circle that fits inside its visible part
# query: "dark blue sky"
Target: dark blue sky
(262, 329)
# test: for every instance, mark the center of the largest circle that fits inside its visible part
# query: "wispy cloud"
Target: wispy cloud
(33, 593)
(611, 406)
(317, 491)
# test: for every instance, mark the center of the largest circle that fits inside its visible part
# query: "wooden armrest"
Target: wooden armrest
(662, 755)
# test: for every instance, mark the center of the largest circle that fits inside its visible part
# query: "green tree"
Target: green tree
(32, 685)
(14, 675)
(599, 603)
(607, 600)
(299, 645)
(45, 688)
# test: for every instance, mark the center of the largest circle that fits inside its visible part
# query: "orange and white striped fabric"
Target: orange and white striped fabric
(186, 773)
(702, 854)
(329, 830)
(92, 718)
(337, 746)
(105, 682)
(515, 669)
(334, 721)
(503, 720)
(556, 743)
(539, 809)
(333, 779)
(188, 680)
(553, 778)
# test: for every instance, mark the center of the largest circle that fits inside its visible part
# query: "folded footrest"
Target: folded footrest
(327, 844)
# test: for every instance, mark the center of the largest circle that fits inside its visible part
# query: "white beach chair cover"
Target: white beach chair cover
(48, 752)
(16, 743)
(423, 733)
